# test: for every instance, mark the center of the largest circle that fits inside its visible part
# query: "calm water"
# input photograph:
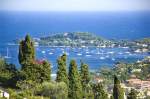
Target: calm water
(94, 57)
(126, 25)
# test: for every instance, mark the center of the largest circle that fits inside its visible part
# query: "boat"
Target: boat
(87, 52)
(127, 52)
(43, 52)
(110, 52)
(7, 56)
(137, 51)
(50, 53)
(107, 56)
(102, 58)
(87, 55)
(98, 52)
(125, 47)
(79, 54)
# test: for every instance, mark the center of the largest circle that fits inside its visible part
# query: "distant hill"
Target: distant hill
(74, 39)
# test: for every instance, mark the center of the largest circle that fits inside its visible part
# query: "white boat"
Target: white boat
(7, 56)
(107, 56)
(87, 52)
(79, 54)
(87, 55)
(110, 52)
(50, 53)
(137, 51)
(102, 58)
(43, 52)
(120, 53)
(98, 52)
(125, 47)
(127, 52)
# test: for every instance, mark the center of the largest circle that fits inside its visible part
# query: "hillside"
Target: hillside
(74, 39)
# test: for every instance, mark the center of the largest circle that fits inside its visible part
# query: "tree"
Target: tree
(118, 92)
(84, 74)
(8, 73)
(132, 94)
(75, 88)
(35, 70)
(62, 71)
(26, 51)
(38, 72)
(99, 92)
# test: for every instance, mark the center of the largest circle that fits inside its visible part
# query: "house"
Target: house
(4, 94)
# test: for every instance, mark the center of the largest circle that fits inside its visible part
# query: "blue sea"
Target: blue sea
(109, 25)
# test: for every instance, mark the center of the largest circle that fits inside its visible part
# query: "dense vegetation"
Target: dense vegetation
(33, 80)
(124, 71)
(74, 39)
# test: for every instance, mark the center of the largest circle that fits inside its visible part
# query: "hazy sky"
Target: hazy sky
(75, 5)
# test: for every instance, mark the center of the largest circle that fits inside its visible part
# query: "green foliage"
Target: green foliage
(132, 94)
(53, 90)
(26, 51)
(74, 39)
(85, 78)
(88, 94)
(26, 84)
(118, 92)
(28, 94)
(34, 70)
(75, 87)
(62, 71)
(37, 72)
(8, 74)
(145, 73)
(99, 92)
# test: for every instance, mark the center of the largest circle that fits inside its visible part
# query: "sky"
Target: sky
(75, 5)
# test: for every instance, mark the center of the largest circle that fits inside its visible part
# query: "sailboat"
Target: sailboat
(7, 56)
(98, 51)
(79, 54)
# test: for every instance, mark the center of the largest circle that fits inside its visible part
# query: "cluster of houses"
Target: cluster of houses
(142, 87)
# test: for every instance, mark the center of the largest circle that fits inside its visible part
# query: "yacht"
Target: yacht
(50, 53)
(102, 58)
(88, 55)
(7, 56)
(79, 54)
(43, 52)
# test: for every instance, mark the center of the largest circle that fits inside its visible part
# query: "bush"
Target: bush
(53, 90)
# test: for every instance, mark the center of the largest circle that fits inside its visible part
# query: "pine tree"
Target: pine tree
(62, 71)
(118, 92)
(75, 88)
(132, 94)
(84, 74)
(99, 92)
(32, 70)
(26, 51)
